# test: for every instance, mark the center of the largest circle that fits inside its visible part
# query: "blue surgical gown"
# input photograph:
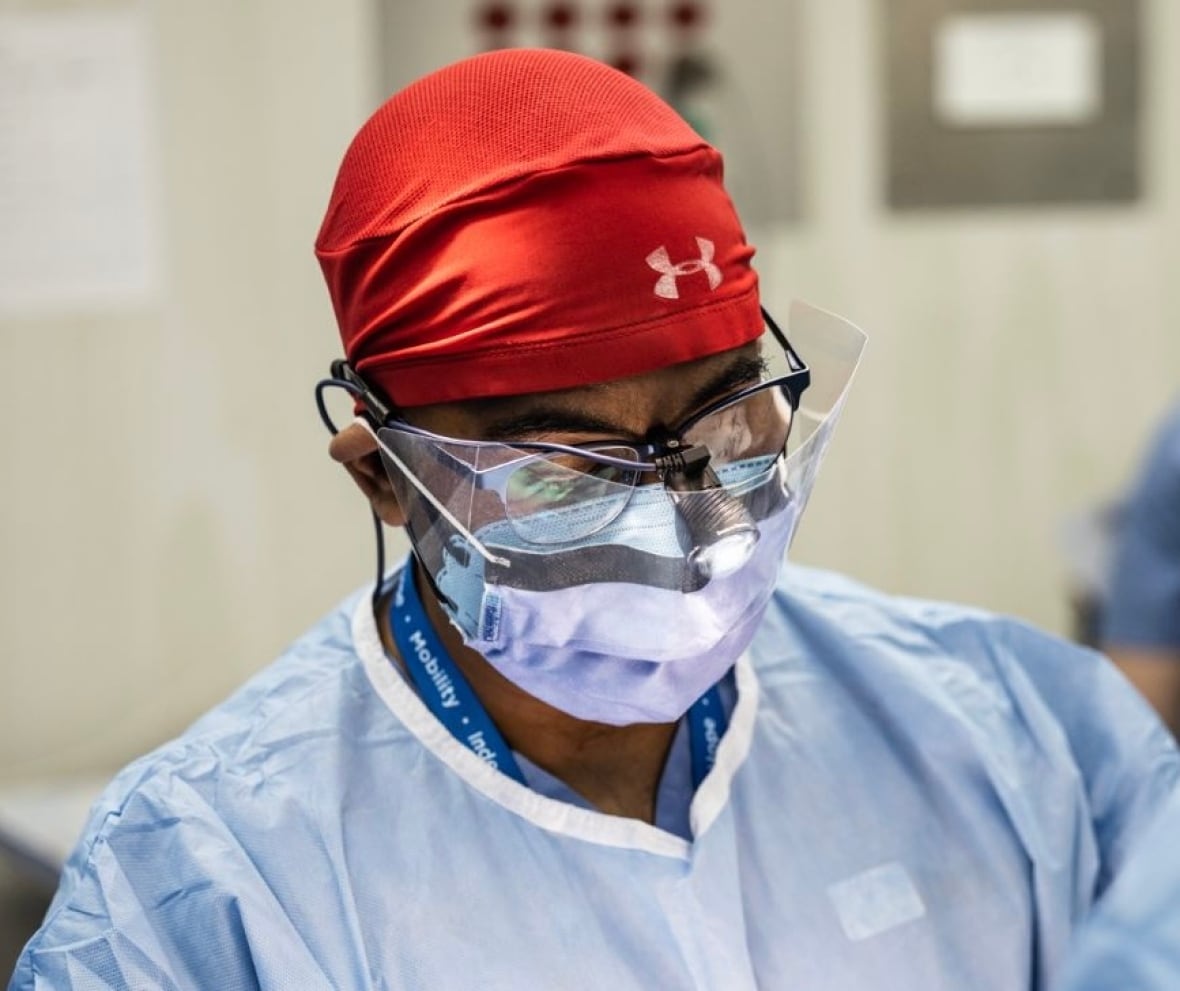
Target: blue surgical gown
(908, 795)
(1132, 940)
(1144, 605)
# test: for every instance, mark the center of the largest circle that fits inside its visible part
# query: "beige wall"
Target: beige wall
(173, 524)
(1016, 359)
(170, 518)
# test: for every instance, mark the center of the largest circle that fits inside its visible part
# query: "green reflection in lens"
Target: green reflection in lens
(563, 497)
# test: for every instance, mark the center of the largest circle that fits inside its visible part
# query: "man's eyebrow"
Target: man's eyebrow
(550, 421)
(742, 371)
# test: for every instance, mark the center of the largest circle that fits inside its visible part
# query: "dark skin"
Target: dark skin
(616, 768)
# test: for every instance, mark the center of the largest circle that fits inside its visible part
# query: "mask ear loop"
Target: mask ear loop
(354, 389)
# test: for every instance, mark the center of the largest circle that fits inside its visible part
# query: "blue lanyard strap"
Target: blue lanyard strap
(440, 683)
(446, 693)
(707, 723)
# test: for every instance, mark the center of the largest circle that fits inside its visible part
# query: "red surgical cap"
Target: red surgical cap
(529, 220)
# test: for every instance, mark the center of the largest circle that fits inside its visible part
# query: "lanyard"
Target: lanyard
(439, 681)
(446, 693)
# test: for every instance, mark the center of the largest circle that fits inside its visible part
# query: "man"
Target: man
(1141, 625)
(587, 736)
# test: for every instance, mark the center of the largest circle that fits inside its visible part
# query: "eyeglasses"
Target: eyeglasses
(554, 493)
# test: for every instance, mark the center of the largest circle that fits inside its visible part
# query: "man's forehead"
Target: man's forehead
(629, 405)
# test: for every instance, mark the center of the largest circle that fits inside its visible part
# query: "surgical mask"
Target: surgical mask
(619, 627)
(612, 598)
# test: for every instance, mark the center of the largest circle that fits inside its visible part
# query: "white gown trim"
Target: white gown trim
(548, 813)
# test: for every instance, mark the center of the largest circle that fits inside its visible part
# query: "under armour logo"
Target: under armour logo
(666, 284)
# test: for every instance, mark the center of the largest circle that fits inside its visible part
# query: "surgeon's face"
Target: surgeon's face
(631, 408)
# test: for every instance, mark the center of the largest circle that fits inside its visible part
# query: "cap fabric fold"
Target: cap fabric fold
(529, 220)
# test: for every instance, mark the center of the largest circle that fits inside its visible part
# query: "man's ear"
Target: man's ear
(356, 449)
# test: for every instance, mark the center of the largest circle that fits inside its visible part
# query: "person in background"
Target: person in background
(592, 733)
(1141, 621)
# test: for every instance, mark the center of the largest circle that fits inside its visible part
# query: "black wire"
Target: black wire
(321, 387)
(379, 530)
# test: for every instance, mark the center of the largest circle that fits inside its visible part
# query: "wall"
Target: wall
(171, 521)
(171, 518)
(1017, 358)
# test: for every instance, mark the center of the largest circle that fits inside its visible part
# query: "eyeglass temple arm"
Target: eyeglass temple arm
(798, 365)
(375, 404)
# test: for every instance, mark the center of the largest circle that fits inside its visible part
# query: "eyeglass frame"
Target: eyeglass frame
(494, 478)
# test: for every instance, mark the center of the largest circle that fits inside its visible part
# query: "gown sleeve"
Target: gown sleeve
(162, 893)
(1127, 759)
(1132, 940)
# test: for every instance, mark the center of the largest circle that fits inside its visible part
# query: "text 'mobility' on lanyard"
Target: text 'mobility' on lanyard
(446, 693)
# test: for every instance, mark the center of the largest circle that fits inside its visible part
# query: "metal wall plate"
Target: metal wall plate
(751, 45)
(976, 155)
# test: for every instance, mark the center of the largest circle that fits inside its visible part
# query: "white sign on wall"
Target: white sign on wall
(77, 196)
(1017, 69)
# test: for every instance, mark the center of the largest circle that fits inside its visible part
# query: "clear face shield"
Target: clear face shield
(675, 513)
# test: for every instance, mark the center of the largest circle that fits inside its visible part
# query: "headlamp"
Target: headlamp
(722, 531)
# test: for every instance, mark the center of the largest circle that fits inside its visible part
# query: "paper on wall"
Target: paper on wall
(77, 195)
(1018, 69)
